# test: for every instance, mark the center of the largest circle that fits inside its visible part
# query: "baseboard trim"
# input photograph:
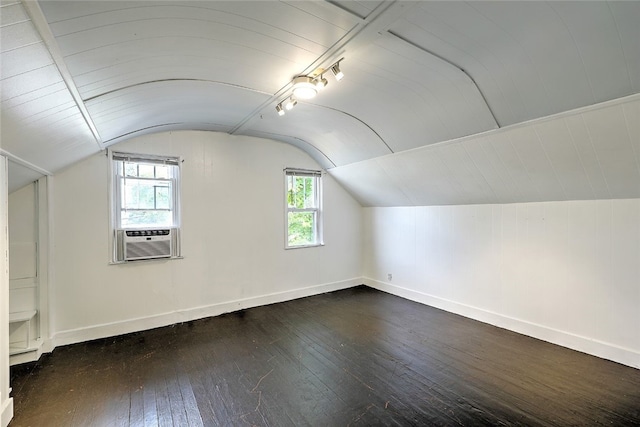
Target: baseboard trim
(587, 345)
(7, 411)
(73, 336)
(26, 355)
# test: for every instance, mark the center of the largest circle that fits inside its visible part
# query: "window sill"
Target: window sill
(315, 245)
(144, 261)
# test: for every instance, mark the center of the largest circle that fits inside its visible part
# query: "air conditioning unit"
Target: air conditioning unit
(147, 244)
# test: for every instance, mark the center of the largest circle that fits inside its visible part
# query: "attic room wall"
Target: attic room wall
(565, 272)
(232, 239)
(23, 278)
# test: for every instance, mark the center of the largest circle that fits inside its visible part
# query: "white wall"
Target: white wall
(6, 402)
(565, 272)
(23, 277)
(232, 239)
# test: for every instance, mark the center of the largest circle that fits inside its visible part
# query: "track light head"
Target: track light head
(304, 87)
(291, 102)
(335, 69)
(320, 82)
(280, 110)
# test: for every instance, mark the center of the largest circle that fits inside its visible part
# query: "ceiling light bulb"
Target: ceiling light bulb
(335, 69)
(291, 102)
(280, 110)
(304, 87)
(321, 82)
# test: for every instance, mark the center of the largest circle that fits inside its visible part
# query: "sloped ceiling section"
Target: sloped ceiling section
(534, 59)
(79, 76)
(42, 129)
(591, 153)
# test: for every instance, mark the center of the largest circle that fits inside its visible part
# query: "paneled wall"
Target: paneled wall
(23, 274)
(232, 239)
(591, 153)
(565, 272)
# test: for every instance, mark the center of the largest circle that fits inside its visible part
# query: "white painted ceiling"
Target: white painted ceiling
(442, 102)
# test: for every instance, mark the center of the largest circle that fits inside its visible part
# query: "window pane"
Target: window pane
(301, 192)
(302, 228)
(145, 194)
(146, 171)
(131, 169)
(146, 218)
(163, 198)
(309, 193)
(290, 192)
(162, 171)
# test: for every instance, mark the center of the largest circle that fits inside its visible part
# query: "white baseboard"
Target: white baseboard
(597, 348)
(25, 355)
(73, 336)
(7, 412)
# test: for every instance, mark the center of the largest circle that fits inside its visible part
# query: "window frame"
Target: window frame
(116, 194)
(317, 209)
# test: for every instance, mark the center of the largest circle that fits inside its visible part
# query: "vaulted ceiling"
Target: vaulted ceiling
(426, 85)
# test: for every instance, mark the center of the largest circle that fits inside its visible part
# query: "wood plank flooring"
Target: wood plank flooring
(353, 357)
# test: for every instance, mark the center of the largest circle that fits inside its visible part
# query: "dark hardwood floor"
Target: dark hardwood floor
(353, 357)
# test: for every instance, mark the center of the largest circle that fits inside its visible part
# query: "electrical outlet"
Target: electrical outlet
(389, 276)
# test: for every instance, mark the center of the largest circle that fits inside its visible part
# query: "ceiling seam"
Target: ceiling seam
(575, 44)
(39, 21)
(484, 98)
(624, 55)
(593, 147)
(484, 178)
(161, 125)
(531, 183)
(633, 149)
(361, 121)
(296, 138)
(175, 80)
(584, 168)
(520, 48)
(553, 168)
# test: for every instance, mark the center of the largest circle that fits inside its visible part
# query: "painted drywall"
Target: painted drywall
(564, 272)
(232, 239)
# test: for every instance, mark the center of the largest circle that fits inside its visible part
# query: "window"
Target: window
(145, 206)
(304, 208)
(145, 191)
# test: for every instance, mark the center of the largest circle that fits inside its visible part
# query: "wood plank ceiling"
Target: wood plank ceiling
(79, 76)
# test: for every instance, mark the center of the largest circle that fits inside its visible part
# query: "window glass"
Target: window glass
(145, 193)
(303, 208)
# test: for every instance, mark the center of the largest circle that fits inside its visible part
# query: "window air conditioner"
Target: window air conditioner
(147, 244)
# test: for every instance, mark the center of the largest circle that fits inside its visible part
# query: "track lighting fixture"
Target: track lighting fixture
(307, 87)
(335, 69)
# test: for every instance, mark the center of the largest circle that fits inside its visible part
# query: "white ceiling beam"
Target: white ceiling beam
(20, 161)
(40, 22)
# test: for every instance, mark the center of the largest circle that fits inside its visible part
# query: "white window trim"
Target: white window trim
(319, 209)
(115, 202)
